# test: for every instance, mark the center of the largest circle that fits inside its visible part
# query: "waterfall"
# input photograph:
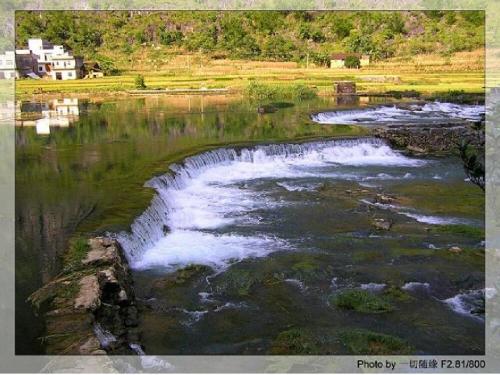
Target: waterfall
(187, 199)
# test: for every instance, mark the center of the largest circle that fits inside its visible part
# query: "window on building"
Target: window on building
(40, 68)
(70, 74)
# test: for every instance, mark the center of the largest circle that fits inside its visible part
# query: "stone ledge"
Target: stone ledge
(90, 309)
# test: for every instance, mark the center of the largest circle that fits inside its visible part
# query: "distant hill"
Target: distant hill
(119, 38)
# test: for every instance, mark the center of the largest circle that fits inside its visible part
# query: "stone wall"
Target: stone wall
(90, 307)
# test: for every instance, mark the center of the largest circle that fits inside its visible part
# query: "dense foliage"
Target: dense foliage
(273, 35)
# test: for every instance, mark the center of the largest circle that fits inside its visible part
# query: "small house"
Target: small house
(337, 60)
(92, 70)
(66, 66)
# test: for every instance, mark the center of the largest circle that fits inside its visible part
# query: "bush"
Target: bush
(170, 37)
(259, 91)
(352, 62)
(139, 82)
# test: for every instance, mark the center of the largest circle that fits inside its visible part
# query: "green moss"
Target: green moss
(294, 341)
(367, 256)
(361, 301)
(457, 199)
(396, 294)
(372, 343)
(77, 251)
(466, 230)
(183, 276)
(187, 273)
(236, 282)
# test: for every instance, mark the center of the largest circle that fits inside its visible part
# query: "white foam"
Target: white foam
(231, 305)
(104, 337)
(298, 187)
(372, 286)
(205, 194)
(151, 361)
(435, 220)
(465, 303)
(415, 285)
(393, 114)
(299, 284)
(183, 247)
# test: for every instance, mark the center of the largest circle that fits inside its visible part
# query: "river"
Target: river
(239, 248)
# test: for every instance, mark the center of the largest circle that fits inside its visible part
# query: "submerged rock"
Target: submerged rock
(382, 224)
(455, 249)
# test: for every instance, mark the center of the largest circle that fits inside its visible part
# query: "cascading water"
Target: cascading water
(429, 112)
(200, 196)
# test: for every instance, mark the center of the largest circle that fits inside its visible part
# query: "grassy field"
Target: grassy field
(425, 73)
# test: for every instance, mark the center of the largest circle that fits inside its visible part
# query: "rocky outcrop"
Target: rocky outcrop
(91, 307)
(430, 138)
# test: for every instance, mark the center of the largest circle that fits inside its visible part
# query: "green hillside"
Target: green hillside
(117, 38)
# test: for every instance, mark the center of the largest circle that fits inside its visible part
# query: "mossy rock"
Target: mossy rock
(394, 293)
(294, 341)
(237, 282)
(183, 276)
(77, 251)
(371, 343)
(361, 301)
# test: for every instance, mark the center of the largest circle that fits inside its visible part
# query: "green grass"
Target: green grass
(371, 343)
(361, 301)
(294, 342)
(78, 249)
(305, 81)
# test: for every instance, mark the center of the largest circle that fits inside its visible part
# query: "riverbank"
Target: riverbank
(90, 307)
(426, 74)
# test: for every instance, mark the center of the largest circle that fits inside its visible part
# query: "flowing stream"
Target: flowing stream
(235, 250)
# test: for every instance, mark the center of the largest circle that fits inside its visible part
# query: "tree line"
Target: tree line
(263, 35)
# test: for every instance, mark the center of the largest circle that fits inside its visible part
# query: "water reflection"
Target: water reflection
(81, 168)
(44, 115)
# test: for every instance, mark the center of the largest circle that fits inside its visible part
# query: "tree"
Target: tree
(473, 161)
(342, 27)
(168, 38)
(352, 62)
(277, 48)
(139, 82)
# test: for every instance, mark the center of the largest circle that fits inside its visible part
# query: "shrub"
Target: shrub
(352, 62)
(259, 91)
(170, 37)
(139, 82)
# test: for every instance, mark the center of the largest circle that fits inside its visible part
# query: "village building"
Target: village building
(92, 70)
(65, 66)
(8, 65)
(41, 59)
(337, 60)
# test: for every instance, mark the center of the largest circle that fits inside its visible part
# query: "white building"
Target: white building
(8, 65)
(65, 66)
(41, 59)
